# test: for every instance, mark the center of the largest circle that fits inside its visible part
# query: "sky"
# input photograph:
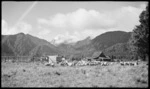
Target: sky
(59, 21)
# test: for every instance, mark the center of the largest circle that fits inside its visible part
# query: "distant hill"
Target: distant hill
(82, 47)
(119, 50)
(108, 39)
(112, 43)
(26, 45)
(81, 43)
(67, 49)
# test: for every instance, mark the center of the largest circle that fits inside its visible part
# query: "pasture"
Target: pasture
(36, 74)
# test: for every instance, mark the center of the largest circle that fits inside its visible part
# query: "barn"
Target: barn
(100, 56)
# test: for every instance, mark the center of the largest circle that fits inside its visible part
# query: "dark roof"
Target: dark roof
(98, 54)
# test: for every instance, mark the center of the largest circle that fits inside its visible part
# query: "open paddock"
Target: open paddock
(36, 74)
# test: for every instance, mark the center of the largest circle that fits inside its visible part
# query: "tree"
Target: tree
(139, 42)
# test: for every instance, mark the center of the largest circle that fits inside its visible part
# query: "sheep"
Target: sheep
(134, 63)
(104, 63)
(69, 63)
(122, 63)
(129, 63)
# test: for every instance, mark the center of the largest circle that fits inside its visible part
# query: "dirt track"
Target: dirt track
(38, 75)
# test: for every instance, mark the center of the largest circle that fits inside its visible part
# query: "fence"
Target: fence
(19, 58)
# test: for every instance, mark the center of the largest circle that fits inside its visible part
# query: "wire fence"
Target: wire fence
(20, 58)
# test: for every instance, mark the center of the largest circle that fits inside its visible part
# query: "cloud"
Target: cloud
(79, 24)
(20, 27)
(127, 17)
(44, 33)
(66, 37)
(143, 6)
(77, 35)
(4, 27)
(80, 19)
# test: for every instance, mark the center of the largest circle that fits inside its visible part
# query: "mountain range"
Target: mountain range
(27, 45)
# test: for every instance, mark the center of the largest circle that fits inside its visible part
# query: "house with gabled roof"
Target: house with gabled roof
(100, 56)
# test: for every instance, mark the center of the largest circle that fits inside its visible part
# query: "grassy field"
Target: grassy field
(39, 75)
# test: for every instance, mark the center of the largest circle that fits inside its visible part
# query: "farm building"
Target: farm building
(52, 59)
(55, 59)
(99, 56)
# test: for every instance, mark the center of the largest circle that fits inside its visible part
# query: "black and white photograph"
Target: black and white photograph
(76, 44)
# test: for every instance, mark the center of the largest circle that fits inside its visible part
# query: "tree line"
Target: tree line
(139, 41)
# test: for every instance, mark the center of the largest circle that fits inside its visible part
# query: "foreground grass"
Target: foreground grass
(38, 75)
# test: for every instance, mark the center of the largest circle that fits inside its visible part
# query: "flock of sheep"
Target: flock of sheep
(91, 63)
(85, 62)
